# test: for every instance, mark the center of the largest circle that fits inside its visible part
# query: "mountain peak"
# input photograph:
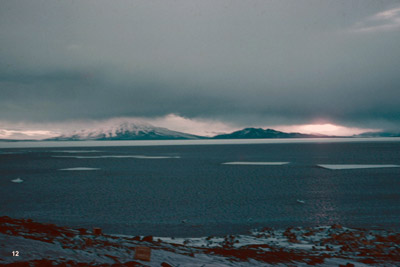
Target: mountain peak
(125, 131)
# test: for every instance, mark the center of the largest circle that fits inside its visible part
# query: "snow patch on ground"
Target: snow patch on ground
(47, 244)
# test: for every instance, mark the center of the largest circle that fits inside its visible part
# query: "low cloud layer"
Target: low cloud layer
(258, 63)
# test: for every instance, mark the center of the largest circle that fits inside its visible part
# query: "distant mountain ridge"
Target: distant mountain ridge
(137, 131)
(145, 131)
(253, 133)
(378, 134)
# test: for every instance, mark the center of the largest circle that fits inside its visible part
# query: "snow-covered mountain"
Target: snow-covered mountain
(124, 131)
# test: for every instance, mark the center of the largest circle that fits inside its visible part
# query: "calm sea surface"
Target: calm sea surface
(171, 188)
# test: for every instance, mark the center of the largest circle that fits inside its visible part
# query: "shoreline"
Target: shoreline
(40, 243)
(184, 142)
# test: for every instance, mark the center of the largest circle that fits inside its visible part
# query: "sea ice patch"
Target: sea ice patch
(147, 157)
(10, 153)
(79, 169)
(76, 151)
(119, 157)
(355, 166)
(254, 163)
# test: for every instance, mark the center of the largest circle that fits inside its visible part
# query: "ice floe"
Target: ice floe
(79, 169)
(355, 166)
(119, 157)
(254, 163)
(76, 151)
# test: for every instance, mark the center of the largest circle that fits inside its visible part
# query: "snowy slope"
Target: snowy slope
(125, 131)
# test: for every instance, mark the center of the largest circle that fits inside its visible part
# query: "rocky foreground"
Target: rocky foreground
(24, 242)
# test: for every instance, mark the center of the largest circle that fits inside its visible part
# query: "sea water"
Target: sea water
(215, 188)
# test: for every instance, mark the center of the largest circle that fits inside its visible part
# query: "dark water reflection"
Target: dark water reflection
(154, 196)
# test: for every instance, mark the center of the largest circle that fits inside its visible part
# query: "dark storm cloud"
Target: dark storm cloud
(239, 61)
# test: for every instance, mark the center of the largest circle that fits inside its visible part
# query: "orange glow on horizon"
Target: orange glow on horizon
(324, 129)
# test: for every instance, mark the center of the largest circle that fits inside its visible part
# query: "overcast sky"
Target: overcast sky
(253, 63)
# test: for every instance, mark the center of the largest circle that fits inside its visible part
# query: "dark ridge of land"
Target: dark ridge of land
(40, 244)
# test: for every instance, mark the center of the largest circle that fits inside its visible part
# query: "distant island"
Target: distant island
(255, 133)
(126, 131)
(141, 131)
